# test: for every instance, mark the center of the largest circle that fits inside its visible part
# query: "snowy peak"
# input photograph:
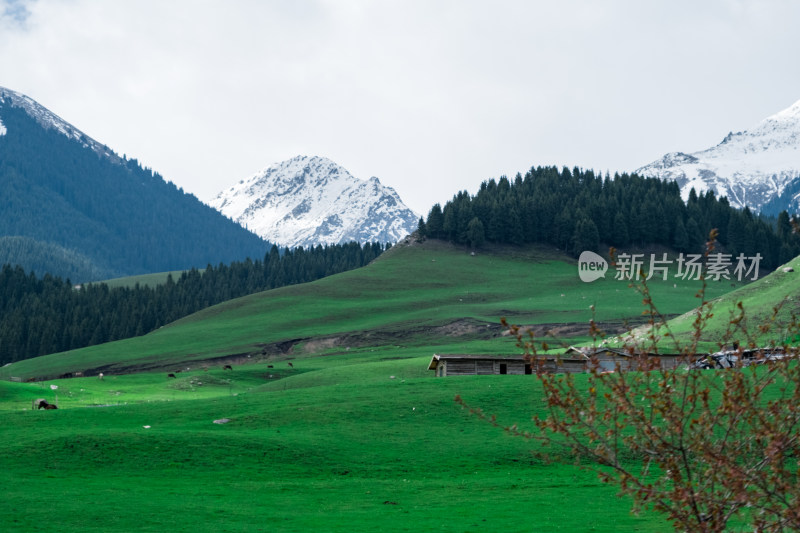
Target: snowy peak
(48, 120)
(306, 201)
(790, 114)
(759, 168)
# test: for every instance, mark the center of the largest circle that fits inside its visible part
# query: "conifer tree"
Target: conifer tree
(422, 228)
(680, 240)
(475, 233)
(586, 237)
(435, 223)
(620, 236)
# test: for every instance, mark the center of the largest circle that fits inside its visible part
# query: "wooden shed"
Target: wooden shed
(609, 358)
(484, 365)
(478, 365)
(573, 360)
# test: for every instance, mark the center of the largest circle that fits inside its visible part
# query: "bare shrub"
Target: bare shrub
(708, 448)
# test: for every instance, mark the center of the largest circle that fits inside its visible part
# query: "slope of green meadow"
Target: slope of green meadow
(385, 454)
(355, 435)
(423, 298)
(150, 280)
(768, 308)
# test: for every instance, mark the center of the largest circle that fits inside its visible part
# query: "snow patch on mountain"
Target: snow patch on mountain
(307, 201)
(752, 168)
(3, 129)
(50, 120)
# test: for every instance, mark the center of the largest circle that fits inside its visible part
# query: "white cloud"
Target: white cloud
(13, 12)
(432, 97)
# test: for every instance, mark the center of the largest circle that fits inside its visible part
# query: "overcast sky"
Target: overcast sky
(432, 97)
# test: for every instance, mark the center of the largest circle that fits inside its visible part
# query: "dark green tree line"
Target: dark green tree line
(47, 315)
(578, 210)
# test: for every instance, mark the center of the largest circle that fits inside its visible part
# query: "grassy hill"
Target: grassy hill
(151, 280)
(355, 435)
(771, 301)
(413, 300)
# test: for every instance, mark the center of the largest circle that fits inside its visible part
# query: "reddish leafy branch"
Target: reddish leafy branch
(704, 447)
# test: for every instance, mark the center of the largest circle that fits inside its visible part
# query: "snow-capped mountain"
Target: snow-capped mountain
(758, 168)
(307, 201)
(49, 120)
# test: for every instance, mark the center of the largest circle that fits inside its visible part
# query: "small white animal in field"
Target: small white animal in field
(100, 376)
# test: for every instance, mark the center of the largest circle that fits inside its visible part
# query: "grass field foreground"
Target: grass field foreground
(355, 435)
(374, 453)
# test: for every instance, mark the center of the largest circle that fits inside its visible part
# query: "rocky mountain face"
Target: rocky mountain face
(307, 201)
(758, 168)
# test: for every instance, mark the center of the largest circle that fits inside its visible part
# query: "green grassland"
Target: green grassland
(367, 453)
(773, 301)
(143, 280)
(355, 435)
(416, 300)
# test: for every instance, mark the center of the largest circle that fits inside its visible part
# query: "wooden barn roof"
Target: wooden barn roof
(588, 351)
(468, 357)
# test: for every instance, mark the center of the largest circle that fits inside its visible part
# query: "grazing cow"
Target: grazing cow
(100, 376)
(38, 403)
(227, 367)
(290, 364)
(171, 375)
(270, 366)
(44, 405)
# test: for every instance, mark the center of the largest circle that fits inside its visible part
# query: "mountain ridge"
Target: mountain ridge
(310, 200)
(60, 187)
(49, 120)
(758, 168)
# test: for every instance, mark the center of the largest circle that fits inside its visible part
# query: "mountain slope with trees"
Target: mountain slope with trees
(46, 315)
(578, 210)
(59, 187)
(38, 256)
